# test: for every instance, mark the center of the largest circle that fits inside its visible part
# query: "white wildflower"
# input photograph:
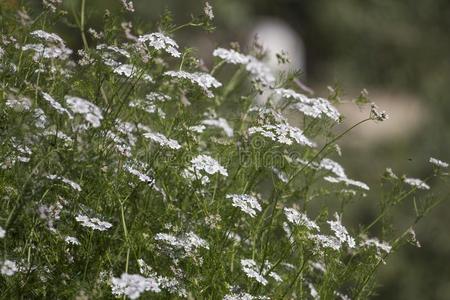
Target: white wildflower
(340, 232)
(412, 237)
(47, 36)
(56, 105)
(326, 241)
(297, 218)
(189, 242)
(238, 296)
(91, 112)
(50, 213)
(133, 285)
(282, 133)
(281, 175)
(231, 56)
(138, 169)
(128, 5)
(260, 72)
(9, 268)
(220, 123)
(55, 47)
(376, 114)
(207, 164)
(93, 223)
(207, 9)
(162, 140)
(204, 80)
(332, 166)
(252, 271)
(417, 183)
(338, 170)
(438, 163)
(313, 292)
(317, 108)
(69, 182)
(51, 4)
(18, 104)
(347, 181)
(160, 41)
(72, 240)
(2, 232)
(247, 203)
(40, 118)
(291, 94)
(391, 173)
(197, 128)
(379, 246)
(96, 35)
(318, 266)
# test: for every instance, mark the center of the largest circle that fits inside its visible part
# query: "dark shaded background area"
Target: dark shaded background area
(399, 48)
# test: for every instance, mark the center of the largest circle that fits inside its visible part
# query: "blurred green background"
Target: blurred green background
(398, 50)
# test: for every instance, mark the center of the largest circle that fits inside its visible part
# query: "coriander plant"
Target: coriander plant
(130, 168)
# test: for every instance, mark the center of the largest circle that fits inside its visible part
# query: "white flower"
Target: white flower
(231, 56)
(220, 123)
(9, 268)
(189, 242)
(55, 48)
(281, 175)
(40, 118)
(291, 94)
(438, 163)
(297, 218)
(93, 223)
(252, 271)
(331, 165)
(162, 140)
(2, 232)
(340, 231)
(18, 104)
(69, 182)
(316, 108)
(133, 285)
(47, 36)
(376, 114)
(207, 9)
(72, 240)
(260, 71)
(50, 213)
(50, 52)
(56, 105)
(326, 241)
(128, 5)
(159, 41)
(347, 181)
(204, 80)
(379, 246)
(417, 183)
(282, 133)
(240, 296)
(91, 112)
(338, 170)
(197, 128)
(208, 164)
(313, 292)
(247, 203)
(135, 169)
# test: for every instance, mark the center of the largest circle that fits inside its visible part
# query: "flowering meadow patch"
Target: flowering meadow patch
(131, 169)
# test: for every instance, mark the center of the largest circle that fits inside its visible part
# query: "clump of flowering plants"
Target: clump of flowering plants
(131, 169)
